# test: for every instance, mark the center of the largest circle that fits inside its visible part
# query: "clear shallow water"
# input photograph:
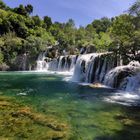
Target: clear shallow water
(81, 107)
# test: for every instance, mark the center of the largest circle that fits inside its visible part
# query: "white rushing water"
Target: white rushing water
(81, 67)
(63, 65)
(124, 77)
(124, 98)
(92, 67)
(127, 79)
(42, 65)
(97, 68)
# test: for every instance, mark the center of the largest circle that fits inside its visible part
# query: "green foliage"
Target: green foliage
(101, 25)
(20, 10)
(2, 5)
(37, 20)
(35, 44)
(70, 23)
(1, 57)
(29, 8)
(48, 22)
(135, 8)
(125, 35)
(21, 33)
(123, 27)
(24, 10)
(10, 46)
(103, 41)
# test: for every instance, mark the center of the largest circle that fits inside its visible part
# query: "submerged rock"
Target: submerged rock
(97, 85)
(22, 122)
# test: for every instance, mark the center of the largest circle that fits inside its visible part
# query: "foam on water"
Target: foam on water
(22, 94)
(124, 98)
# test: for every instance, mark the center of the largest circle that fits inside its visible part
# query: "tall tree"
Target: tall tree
(47, 21)
(125, 36)
(135, 9)
(29, 9)
(101, 25)
(21, 10)
(70, 23)
(2, 5)
(37, 20)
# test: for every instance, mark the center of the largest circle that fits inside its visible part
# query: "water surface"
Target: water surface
(84, 109)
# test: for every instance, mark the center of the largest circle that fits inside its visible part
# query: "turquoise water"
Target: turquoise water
(81, 107)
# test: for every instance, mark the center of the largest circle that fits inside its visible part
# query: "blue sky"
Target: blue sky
(82, 11)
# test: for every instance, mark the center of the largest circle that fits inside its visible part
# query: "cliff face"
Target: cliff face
(4, 67)
(22, 62)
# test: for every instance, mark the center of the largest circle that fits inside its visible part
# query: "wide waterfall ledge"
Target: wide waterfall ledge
(99, 69)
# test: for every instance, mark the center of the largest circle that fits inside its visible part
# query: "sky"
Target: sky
(82, 11)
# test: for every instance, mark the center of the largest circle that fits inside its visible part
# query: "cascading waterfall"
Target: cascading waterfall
(87, 68)
(81, 67)
(63, 63)
(95, 68)
(133, 83)
(42, 65)
(124, 77)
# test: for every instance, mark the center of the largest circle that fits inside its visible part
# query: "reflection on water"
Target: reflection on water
(81, 107)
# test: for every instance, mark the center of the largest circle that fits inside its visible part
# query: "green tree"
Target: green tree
(48, 22)
(125, 36)
(135, 9)
(21, 10)
(2, 5)
(70, 23)
(101, 25)
(29, 9)
(11, 47)
(102, 42)
(37, 20)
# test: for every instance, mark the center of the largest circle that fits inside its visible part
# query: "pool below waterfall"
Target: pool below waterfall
(43, 106)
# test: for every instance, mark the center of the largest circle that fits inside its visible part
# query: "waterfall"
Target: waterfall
(95, 68)
(124, 77)
(63, 63)
(133, 83)
(42, 65)
(87, 68)
(81, 67)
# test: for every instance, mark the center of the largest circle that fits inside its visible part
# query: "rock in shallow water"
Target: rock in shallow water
(124, 77)
(21, 122)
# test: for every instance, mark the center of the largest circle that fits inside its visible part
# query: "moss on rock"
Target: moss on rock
(22, 122)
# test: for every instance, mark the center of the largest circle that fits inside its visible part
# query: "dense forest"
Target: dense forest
(22, 34)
